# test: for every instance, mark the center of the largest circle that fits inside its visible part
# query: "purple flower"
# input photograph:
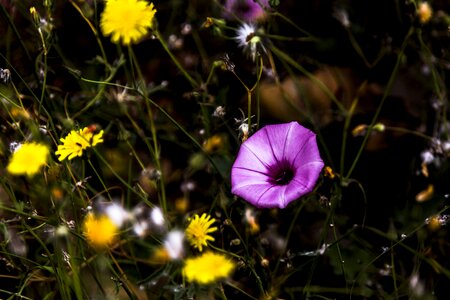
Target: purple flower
(247, 10)
(276, 165)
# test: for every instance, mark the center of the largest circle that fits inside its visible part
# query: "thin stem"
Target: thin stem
(155, 148)
(313, 78)
(94, 30)
(380, 106)
(191, 80)
(347, 125)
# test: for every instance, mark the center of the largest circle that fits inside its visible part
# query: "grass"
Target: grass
(175, 106)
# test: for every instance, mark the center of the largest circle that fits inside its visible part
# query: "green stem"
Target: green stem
(348, 118)
(94, 30)
(191, 80)
(155, 148)
(313, 78)
(380, 106)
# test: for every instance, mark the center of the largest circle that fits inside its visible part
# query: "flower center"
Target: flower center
(283, 177)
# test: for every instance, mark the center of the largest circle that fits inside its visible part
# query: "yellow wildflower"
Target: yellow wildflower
(213, 144)
(424, 12)
(28, 159)
(99, 231)
(77, 141)
(197, 232)
(207, 268)
(127, 20)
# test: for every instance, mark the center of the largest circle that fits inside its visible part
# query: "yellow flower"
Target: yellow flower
(213, 144)
(198, 229)
(207, 268)
(77, 141)
(28, 159)
(424, 12)
(127, 20)
(99, 231)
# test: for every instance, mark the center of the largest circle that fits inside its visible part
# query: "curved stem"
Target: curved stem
(191, 80)
(380, 106)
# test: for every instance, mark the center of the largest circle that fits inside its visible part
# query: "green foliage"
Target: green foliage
(371, 79)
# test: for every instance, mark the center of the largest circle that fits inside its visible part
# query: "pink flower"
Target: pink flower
(246, 10)
(276, 165)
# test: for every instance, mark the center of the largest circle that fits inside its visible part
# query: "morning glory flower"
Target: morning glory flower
(247, 10)
(276, 165)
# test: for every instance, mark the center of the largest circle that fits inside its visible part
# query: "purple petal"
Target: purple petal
(271, 150)
(248, 10)
(257, 155)
(308, 153)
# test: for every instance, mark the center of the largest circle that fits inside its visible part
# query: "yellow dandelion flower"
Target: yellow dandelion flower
(127, 20)
(28, 159)
(77, 141)
(100, 231)
(197, 232)
(207, 268)
(424, 12)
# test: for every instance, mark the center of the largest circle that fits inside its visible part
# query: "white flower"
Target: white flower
(342, 16)
(248, 38)
(174, 244)
(117, 214)
(427, 157)
(140, 228)
(14, 146)
(157, 216)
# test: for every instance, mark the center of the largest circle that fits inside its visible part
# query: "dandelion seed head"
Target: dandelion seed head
(342, 16)
(5, 75)
(248, 39)
(219, 112)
